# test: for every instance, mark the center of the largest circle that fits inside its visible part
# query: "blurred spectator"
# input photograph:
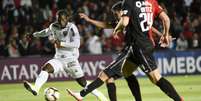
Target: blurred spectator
(182, 43)
(16, 16)
(47, 13)
(10, 4)
(108, 32)
(36, 47)
(24, 45)
(3, 48)
(195, 41)
(85, 7)
(188, 3)
(94, 44)
(176, 26)
(13, 48)
(117, 44)
(26, 3)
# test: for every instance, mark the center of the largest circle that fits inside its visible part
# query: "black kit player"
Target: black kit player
(137, 18)
(111, 71)
(127, 71)
(131, 79)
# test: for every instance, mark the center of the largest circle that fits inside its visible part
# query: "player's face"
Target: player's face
(63, 21)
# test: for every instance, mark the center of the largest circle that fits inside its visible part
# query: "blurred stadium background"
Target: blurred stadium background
(21, 59)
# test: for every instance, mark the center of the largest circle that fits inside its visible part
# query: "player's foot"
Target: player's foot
(30, 88)
(77, 96)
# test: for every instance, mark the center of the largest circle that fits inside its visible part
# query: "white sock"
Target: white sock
(41, 79)
(98, 94)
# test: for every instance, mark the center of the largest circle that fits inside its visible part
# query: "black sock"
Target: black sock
(134, 87)
(168, 89)
(92, 86)
(82, 81)
(111, 88)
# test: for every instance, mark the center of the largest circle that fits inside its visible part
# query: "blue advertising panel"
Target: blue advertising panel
(179, 62)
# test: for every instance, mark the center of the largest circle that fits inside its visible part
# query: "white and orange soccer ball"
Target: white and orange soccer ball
(51, 94)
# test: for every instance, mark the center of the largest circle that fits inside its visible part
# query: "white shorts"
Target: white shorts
(71, 66)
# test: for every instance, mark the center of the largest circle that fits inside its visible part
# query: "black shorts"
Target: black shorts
(114, 68)
(140, 57)
(143, 58)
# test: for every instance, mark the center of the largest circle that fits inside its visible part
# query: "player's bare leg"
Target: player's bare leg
(164, 85)
(40, 80)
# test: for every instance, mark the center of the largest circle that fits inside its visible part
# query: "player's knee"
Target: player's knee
(103, 76)
(48, 68)
(110, 80)
(128, 69)
(154, 76)
(127, 74)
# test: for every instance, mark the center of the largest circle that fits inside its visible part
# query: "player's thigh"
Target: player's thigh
(113, 70)
(56, 64)
(74, 69)
(128, 68)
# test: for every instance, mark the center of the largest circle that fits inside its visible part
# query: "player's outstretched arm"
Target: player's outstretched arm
(123, 22)
(42, 33)
(165, 39)
(166, 22)
(97, 23)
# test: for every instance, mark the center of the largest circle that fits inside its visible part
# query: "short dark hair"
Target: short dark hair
(117, 6)
(60, 13)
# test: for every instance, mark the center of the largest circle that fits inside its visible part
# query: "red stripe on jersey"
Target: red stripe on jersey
(156, 9)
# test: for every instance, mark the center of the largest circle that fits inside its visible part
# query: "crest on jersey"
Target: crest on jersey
(65, 33)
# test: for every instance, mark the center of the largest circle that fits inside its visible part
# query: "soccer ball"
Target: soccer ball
(51, 94)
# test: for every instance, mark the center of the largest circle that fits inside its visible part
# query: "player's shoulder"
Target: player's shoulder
(71, 25)
(54, 25)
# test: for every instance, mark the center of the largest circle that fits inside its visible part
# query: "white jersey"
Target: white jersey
(68, 37)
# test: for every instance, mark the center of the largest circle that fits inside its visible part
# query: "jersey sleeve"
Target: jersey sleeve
(74, 38)
(43, 33)
(157, 9)
(127, 7)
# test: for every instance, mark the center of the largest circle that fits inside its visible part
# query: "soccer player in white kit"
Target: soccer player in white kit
(66, 39)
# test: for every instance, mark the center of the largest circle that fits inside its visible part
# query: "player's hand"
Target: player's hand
(84, 16)
(57, 43)
(165, 40)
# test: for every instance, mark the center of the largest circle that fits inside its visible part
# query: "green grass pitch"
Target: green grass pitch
(188, 86)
